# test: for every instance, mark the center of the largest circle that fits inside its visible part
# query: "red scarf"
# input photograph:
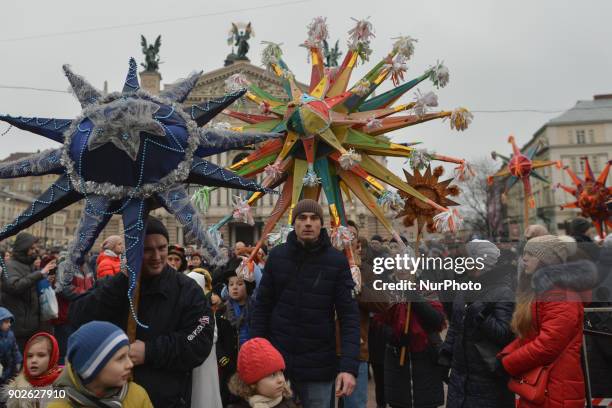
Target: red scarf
(49, 376)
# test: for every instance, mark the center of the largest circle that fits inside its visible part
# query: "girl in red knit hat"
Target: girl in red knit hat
(260, 381)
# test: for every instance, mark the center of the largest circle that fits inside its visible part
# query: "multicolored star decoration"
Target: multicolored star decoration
(128, 153)
(427, 184)
(521, 166)
(334, 131)
(591, 196)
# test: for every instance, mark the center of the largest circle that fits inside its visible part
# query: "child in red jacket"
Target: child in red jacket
(109, 261)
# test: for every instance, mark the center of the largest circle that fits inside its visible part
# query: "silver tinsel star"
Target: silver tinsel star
(120, 123)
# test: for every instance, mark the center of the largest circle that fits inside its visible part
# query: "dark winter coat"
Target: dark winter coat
(556, 339)
(599, 348)
(418, 383)
(369, 301)
(19, 292)
(227, 354)
(483, 322)
(180, 333)
(300, 290)
(10, 356)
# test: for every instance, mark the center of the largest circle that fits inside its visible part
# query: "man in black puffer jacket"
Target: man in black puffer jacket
(304, 282)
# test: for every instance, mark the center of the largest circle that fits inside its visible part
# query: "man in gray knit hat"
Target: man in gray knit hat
(304, 282)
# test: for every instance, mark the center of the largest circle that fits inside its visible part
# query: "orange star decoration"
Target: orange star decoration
(427, 184)
(521, 167)
(591, 196)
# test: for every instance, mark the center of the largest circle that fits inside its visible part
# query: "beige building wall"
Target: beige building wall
(53, 228)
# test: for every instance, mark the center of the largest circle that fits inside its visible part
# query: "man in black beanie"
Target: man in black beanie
(180, 332)
(304, 283)
(579, 227)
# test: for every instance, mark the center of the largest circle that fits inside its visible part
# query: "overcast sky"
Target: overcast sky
(501, 54)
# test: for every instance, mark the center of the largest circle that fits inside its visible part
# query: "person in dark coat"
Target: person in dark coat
(180, 333)
(19, 292)
(599, 348)
(305, 282)
(376, 334)
(479, 329)
(418, 383)
(579, 227)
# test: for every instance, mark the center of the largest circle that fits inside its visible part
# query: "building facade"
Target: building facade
(51, 231)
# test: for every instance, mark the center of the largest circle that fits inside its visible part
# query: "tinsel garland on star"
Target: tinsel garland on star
(591, 196)
(128, 153)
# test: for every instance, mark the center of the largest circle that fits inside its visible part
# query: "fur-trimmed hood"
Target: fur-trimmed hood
(578, 276)
(20, 383)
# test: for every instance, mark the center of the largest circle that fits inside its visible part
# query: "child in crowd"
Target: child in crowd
(40, 370)
(10, 357)
(260, 382)
(195, 261)
(239, 304)
(109, 260)
(233, 317)
(176, 258)
(97, 373)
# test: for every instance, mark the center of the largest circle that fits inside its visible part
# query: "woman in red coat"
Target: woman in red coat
(109, 261)
(548, 321)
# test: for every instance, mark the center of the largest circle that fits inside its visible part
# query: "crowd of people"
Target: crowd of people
(289, 327)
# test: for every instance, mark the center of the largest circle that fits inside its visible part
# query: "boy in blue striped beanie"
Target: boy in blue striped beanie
(98, 370)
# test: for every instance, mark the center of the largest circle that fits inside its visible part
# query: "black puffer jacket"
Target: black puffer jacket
(300, 290)
(180, 333)
(483, 321)
(19, 293)
(599, 348)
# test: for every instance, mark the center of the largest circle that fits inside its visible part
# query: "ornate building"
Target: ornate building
(16, 195)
